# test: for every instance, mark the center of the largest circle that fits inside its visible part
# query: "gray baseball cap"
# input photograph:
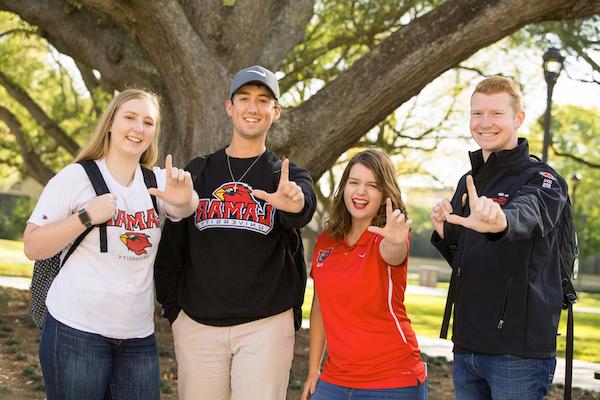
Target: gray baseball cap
(255, 74)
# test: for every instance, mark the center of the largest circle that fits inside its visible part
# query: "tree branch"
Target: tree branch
(33, 164)
(89, 39)
(574, 157)
(49, 125)
(399, 68)
(285, 31)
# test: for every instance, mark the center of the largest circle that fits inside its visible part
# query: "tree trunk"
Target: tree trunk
(189, 52)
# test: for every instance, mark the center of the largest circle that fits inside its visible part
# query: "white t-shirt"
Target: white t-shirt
(112, 293)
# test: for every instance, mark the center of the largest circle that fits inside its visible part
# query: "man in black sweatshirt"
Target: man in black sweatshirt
(498, 234)
(226, 276)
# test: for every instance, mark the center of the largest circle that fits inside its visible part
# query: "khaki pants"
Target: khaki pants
(250, 361)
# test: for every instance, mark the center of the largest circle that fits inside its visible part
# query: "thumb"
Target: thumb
(376, 229)
(457, 220)
(262, 195)
(463, 199)
(156, 192)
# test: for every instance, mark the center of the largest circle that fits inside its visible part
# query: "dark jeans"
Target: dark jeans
(329, 391)
(501, 377)
(84, 366)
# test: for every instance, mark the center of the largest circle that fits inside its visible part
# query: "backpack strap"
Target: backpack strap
(150, 181)
(569, 354)
(100, 187)
(196, 166)
(75, 244)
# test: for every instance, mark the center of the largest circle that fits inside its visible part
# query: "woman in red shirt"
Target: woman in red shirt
(359, 269)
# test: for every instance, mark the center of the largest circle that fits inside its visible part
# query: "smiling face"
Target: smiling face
(252, 111)
(133, 128)
(362, 195)
(494, 122)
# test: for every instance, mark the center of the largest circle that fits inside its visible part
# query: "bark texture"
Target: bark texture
(188, 51)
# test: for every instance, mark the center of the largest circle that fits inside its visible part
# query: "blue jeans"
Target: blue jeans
(329, 391)
(501, 377)
(79, 365)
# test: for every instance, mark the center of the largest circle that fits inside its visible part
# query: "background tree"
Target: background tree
(380, 55)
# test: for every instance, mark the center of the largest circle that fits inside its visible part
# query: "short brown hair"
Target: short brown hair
(501, 84)
(340, 220)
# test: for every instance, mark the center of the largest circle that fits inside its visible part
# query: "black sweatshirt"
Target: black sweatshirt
(228, 263)
(508, 292)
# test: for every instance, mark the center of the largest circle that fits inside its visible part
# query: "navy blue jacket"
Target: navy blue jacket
(507, 286)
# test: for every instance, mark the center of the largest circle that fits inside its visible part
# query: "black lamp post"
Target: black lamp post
(553, 64)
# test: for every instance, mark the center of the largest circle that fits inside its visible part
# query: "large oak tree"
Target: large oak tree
(188, 51)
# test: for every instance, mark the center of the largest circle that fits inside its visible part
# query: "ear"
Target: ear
(276, 111)
(519, 118)
(228, 107)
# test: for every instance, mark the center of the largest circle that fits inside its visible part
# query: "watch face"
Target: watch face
(84, 217)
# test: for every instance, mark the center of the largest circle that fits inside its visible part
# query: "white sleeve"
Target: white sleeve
(68, 191)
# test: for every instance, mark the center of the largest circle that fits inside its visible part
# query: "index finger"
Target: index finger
(285, 171)
(169, 164)
(472, 191)
(388, 208)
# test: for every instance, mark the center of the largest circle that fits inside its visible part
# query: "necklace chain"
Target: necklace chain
(244, 174)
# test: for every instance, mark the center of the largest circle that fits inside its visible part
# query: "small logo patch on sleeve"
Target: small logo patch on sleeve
(547, 175)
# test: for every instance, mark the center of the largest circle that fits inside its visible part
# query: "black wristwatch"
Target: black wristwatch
(85, 219)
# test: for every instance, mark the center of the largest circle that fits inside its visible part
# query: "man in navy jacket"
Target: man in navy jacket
(498, 234)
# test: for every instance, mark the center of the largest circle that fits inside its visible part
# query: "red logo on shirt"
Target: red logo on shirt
(136, 242)
(322, 256)
(140, 220)
(234, 206)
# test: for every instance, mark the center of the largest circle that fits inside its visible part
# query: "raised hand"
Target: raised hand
(178, 189)
(438, 215)
(396, 227)
(102, 208)
(289, 197)
(486, 215)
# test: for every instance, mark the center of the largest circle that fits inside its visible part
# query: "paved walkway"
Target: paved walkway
(583, 371)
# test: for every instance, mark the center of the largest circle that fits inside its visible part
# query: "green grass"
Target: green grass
(588, 300)
(12, 260)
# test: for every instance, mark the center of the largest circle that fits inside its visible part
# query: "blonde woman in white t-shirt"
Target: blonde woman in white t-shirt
(98, 336)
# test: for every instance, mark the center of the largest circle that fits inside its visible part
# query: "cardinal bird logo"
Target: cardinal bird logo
(136, 242)
(235, 193)
(233, 206)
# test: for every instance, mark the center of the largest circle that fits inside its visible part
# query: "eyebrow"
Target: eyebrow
(135, 113)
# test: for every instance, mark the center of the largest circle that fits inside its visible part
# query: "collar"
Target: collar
(363, 240)
(500, 158)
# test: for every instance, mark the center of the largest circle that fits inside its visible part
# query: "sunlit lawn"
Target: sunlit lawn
(12, 260)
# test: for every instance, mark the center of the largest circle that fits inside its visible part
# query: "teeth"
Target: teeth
(487, 133)
(134, 139)
(251, 119)
(360, 201)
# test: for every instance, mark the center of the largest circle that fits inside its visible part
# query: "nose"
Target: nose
(252, 106)
(486, 120)
(139, 126)
(360, 189)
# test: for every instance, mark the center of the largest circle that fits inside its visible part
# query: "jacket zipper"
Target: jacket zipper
(504, 306)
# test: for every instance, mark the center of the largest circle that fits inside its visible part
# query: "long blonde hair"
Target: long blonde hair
(97, 146)
(339, 222)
